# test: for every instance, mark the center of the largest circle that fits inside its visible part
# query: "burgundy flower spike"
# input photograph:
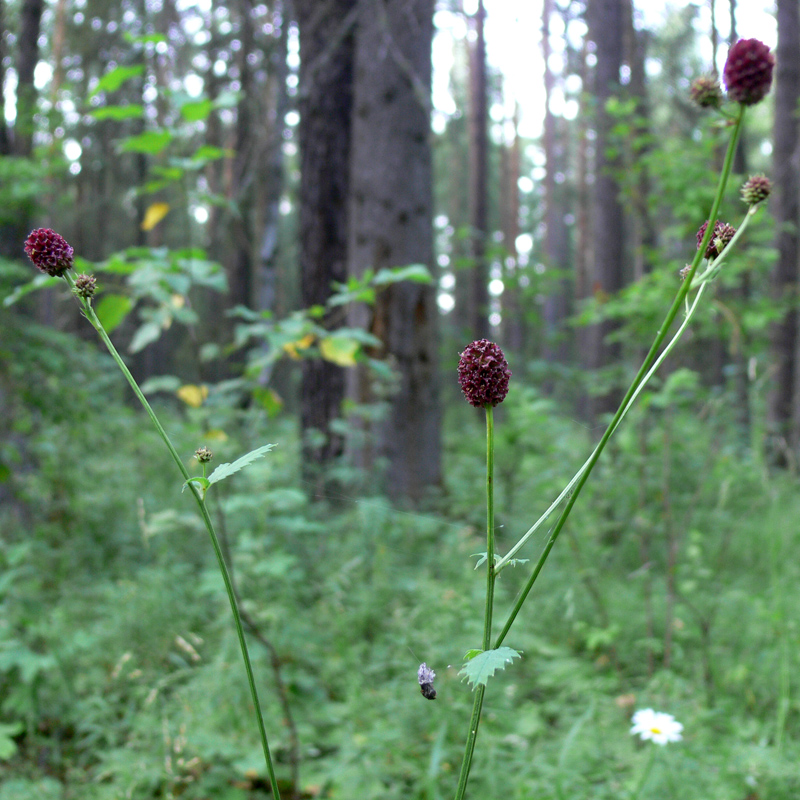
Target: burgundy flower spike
(723, 233)
(49, 251)
(748, 71)
(483, 374)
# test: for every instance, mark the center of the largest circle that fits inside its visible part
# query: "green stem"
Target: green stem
(490, 568)
(93, 319)
(491, 574)
(645, 773)
(640, 376)
(700, 283)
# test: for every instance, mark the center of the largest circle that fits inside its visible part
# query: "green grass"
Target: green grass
(119, 661)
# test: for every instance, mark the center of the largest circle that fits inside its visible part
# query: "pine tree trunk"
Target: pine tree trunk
(390, 225)
(786, 208)
(514, 324)
(606, 24)
(478, 180)
(556, 238)
(28, 56)
(5, 139)
(326, 99)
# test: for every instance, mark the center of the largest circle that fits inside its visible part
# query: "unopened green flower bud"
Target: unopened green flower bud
(85, 286)
(706, 92)
(756, 189)
(203, 454)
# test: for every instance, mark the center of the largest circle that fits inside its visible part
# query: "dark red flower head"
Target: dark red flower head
(723, 233)
(49, 251)
(483, 374)
(748, 71)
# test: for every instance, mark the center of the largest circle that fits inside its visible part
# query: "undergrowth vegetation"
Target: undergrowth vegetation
(674, 586)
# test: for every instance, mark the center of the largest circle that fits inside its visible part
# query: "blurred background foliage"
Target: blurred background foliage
(164, 142)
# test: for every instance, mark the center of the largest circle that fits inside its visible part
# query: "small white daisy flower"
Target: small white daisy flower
(656, 726)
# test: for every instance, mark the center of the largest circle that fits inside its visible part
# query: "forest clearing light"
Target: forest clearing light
(72, 150)
(446, 302)
(513, 46)
(447, 281)
(524, 243)
(193, 84)
(496, 287)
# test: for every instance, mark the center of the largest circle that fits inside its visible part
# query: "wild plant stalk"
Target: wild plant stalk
(653, 359)
(198, 495)
(642, 376)
(491, 574)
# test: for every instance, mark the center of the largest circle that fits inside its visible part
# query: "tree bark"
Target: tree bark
(606, 25)
(514, 323)
(478, 276)
(390, 225)
(556, 238)
(327, 48)
(786, 208)
(28, 57)
(5, 139)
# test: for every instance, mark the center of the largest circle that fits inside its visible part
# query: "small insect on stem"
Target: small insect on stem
(425, 676)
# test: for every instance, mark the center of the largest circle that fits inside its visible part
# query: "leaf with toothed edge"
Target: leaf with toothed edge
(224, 470)
(479, 668)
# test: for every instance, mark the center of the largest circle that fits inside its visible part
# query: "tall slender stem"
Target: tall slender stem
(93, 319)
(480, 691)
(640, 375)
(490, 569)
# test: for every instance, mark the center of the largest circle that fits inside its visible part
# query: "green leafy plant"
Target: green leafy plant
(484, 379)
(484, 374)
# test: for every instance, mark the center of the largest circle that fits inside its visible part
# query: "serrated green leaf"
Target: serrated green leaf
(224, 470)
(470, 654)
(479, 669)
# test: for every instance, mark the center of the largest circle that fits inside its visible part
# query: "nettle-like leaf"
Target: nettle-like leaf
(224, 470)
(481, 665)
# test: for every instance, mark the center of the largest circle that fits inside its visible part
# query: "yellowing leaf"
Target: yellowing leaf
(293, 348)
(193, 395)
(154, 214)
(339, 350)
